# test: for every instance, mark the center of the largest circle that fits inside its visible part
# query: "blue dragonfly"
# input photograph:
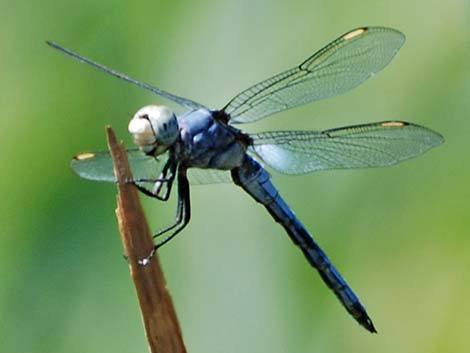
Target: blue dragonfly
(204, 146)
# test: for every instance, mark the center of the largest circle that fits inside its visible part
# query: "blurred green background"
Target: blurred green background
(399, 235)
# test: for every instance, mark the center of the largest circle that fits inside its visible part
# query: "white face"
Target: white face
(154, 127)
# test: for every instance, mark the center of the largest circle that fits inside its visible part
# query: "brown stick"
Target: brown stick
(159, 316)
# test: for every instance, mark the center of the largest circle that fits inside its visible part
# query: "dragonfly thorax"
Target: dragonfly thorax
(154, 128)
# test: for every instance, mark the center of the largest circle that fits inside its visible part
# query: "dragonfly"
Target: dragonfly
(204, 146)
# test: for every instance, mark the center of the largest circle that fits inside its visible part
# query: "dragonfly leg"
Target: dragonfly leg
(182, 218)
(178, 219)
(167, 176)
(151, 193)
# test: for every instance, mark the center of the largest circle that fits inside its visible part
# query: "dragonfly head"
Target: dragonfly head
(154, 128)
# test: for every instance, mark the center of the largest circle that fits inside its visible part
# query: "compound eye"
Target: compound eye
(165, 125)
(154, 127)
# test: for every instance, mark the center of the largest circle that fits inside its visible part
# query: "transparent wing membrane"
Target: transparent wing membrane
(337, 68)
(199, 176)
(360, 146)
(185, 102)
(98, 166)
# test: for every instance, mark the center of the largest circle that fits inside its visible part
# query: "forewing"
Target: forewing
(98, 166)
(360, 146)
(340, 66)
(185, 102)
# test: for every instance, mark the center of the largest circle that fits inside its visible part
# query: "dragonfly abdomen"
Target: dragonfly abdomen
(255, 180)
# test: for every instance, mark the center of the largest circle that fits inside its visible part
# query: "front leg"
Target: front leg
(166, 177)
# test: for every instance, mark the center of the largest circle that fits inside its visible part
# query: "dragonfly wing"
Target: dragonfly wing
(359, 146)
(98, 166)
(337, 68)
(185, 102)
(198, 176)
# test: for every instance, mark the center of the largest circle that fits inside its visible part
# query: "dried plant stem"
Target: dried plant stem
(161, 324)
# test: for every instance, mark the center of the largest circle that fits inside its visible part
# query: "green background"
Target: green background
(399, 235)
